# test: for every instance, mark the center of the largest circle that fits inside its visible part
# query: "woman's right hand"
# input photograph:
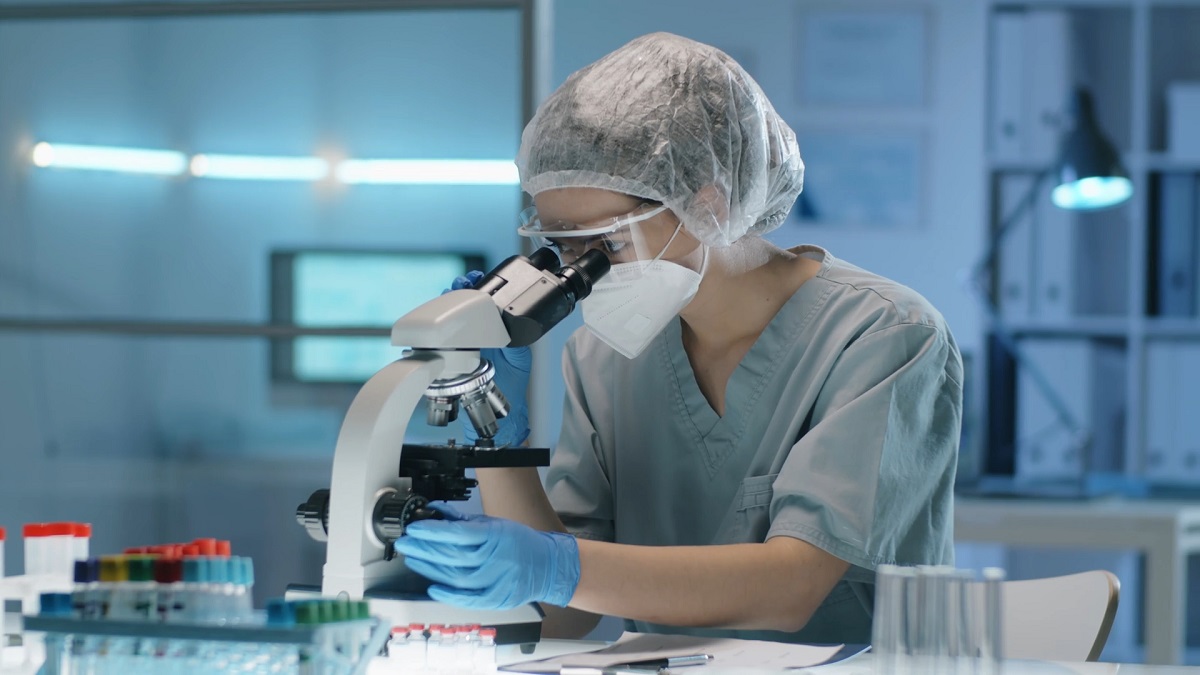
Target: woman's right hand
(513, 366)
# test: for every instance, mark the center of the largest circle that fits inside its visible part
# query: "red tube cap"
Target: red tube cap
(83, 530)
(168, 570)
(224, 549)
(208, 547)
(59, 529)
(33, 530)
(2, 534)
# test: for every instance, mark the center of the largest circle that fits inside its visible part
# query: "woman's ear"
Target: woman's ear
(710, 206)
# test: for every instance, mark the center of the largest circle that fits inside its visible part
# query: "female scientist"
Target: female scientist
(748, 431)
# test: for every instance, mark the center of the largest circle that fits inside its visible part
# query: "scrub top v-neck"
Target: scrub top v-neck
(840, 429)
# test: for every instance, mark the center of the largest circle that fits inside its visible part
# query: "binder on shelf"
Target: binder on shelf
(1014, 270)
(1053, 260)
(1183, 109)
(1008, 86)
(1162, 393)
(1047, 72)
(1178, 257)
(1089, 376)
(1187, 421)
(1172, 425)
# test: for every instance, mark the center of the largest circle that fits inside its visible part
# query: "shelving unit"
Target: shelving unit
(1074, 285)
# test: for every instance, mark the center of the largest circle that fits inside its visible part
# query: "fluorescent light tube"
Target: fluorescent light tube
(258, 167)
(428, 171)
(106, 158)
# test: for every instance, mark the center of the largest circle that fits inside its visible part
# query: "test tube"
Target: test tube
(86, 573)
(34, 535)
(957, 617)
(59, 550)
(2, 534)
(189, 594)
(168, 575)
(887, 641)
(81, 540)
(991, 647)
(142, 588)
(246, 601)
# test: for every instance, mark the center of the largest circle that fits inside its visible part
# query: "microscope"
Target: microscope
(380, 484)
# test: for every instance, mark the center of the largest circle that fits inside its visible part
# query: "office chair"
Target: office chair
(1065, 618)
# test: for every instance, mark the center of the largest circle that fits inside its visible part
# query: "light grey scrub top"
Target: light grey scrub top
(841, 429)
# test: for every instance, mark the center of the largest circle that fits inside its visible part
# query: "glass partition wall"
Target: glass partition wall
(139, 312)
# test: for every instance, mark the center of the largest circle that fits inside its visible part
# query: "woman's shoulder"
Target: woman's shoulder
(872, 301)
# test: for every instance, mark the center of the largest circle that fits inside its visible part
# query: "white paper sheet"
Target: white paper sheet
(726, 653)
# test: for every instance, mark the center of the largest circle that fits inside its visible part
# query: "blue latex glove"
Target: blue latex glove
(513, 365)
(483, 562)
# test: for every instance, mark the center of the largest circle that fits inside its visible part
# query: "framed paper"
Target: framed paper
(863, 179)
(862, 58)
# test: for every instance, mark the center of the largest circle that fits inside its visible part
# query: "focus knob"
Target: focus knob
(393, 513)
(313, 515)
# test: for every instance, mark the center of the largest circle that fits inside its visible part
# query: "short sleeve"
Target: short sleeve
(577, 481)
(871, 481)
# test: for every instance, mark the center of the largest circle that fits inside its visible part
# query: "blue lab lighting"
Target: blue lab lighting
(1095, 192)
(1090, 174)
(429, 171)
(105, 158)
(273, 168)
(255, 167)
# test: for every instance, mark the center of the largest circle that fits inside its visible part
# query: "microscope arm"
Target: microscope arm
(367, 457)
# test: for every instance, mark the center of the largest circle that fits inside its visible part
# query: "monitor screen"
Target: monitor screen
(331, 288)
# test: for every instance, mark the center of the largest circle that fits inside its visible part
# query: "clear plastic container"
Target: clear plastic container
(59, 552)
(82, 537)
(283, 647)
(34, 536)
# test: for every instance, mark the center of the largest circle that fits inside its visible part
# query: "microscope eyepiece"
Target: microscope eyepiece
(535, 293)
(585, 271)
(544, 259)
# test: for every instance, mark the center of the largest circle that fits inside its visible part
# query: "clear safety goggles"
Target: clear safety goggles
(624, 239)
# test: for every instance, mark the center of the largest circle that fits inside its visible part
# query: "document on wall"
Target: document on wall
(725, 653)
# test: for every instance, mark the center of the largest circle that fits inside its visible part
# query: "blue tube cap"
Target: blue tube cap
(280, 613)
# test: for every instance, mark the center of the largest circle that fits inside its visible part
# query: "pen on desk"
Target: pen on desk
(671, 662)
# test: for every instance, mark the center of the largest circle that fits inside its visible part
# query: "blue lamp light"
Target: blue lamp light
(1089, 174)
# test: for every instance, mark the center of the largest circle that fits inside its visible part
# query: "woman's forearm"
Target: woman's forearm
(517, 494)
(772, 586)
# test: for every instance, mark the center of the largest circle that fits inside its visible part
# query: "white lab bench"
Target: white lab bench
(863, 664)
(1165, 532)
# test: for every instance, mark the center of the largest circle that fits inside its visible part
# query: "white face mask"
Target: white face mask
(627, 315)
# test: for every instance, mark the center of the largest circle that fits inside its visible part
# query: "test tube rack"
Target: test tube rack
(138, 646)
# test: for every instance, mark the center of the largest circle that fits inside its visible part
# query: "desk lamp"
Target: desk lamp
(1088, 176)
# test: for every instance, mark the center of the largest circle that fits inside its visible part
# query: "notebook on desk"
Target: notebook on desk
(725, 653)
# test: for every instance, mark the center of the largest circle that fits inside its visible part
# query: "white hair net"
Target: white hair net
(675, 121)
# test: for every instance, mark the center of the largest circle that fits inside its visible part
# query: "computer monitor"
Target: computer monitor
(350, 288)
